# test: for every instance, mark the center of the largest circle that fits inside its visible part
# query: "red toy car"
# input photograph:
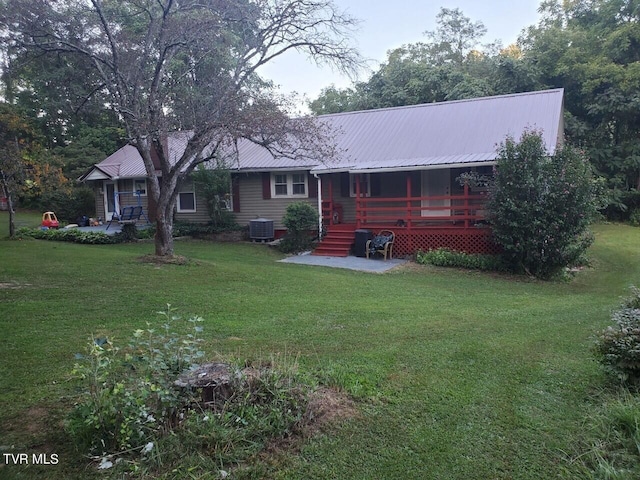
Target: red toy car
(50, 220)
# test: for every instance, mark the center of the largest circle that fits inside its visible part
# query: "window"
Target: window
(187, 199)
(140, 185)
(280, 184)
(289, 185)
(186, 202)
(299, 183)
(365, 184)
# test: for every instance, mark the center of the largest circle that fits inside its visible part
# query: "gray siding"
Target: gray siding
(252, 205)
(201, 215)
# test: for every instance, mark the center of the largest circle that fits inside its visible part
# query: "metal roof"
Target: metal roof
(412, 137)
(126, 162)
(447, 133)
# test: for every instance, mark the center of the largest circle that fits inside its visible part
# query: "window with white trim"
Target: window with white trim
(140, 185)
(187, 200)
(365, 184)
(289, 184)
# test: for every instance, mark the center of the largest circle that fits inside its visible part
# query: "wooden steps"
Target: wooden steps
(337, 242)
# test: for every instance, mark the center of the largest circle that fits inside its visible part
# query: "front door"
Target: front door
(436, 183)
(110, 200)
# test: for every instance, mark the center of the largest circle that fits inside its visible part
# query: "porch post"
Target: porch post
(466, 205)
(357, 179)
(409, 232)
(330, 201)
(319, 181)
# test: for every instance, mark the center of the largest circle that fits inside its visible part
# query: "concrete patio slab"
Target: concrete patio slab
(349, 263)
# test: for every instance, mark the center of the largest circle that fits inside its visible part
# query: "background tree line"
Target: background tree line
(591, 48)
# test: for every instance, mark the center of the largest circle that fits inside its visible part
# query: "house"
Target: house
(397, 168)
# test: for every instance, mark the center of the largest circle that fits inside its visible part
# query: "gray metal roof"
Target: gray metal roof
(428, 135)
(120, 164)
(126, 162)
(423, 136)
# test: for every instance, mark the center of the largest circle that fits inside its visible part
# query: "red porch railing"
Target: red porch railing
(425, 222)
(461, 211)
(464, 211)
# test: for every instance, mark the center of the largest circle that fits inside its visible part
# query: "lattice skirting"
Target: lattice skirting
(468, 241)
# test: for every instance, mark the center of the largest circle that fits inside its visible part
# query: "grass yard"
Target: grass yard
(456, 375)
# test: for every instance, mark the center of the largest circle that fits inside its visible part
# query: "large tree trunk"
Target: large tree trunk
(164, 231)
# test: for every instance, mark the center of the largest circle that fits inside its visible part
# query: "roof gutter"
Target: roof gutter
(296, 168)
(409, 168)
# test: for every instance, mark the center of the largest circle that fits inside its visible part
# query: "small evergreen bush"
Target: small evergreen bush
(618, 346)
(300, 219)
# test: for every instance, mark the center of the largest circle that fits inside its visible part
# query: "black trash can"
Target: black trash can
(360, 246)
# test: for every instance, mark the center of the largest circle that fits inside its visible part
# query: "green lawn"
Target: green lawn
(457, 375)
(23, 219)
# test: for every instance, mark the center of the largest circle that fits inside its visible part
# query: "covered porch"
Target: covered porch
(426, 209)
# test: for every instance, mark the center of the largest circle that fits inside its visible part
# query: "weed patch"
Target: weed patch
(141, 407)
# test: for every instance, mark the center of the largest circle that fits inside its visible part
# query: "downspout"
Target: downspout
(319, 203)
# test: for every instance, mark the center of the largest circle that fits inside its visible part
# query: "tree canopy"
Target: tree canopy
(163, 65)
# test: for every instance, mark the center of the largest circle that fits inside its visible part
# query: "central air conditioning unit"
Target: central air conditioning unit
(261, 229)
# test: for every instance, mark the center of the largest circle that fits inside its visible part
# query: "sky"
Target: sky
(386, 25)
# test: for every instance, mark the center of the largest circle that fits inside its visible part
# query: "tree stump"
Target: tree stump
(214, 379)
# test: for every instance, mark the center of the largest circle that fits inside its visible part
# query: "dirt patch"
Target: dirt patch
(327, 406)
(165, 260)
(36, 419)
(32, 421)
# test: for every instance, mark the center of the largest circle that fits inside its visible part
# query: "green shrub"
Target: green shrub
(301, 221)
(634, 217)
(185, 229)
(540, 207)
(618, 346)
(620, 204)
(146, 233)
(128, 233)
(69, 235)
(443, 257)
(214, 184)
(67, 204)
